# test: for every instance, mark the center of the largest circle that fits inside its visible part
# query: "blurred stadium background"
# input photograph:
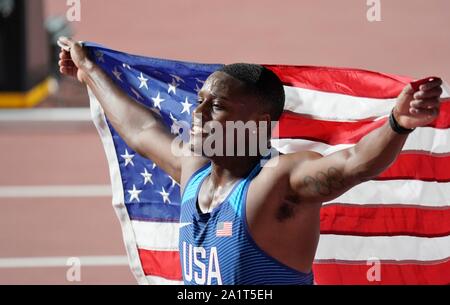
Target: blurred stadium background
(54, 182)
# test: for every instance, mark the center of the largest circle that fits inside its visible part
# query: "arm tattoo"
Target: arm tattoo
(324, 183)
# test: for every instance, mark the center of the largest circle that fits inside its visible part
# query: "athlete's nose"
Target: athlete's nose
(200, 114)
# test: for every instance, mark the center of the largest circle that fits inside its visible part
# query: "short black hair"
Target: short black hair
(262, 82)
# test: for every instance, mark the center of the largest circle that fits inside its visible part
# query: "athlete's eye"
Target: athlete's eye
(217, 107)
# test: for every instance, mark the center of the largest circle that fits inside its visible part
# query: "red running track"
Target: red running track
(45, 227)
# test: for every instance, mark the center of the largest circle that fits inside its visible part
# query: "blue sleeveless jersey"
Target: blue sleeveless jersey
(216, 247)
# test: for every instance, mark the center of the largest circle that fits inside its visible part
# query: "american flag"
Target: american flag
(398, 222)
(224, 229)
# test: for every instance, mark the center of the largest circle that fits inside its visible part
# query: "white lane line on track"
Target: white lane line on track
(46, 115)
(55, 191)
(61, 261)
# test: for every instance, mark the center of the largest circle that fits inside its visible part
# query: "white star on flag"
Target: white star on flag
(186, 106)
(147, 177)
(143, 81)
(157, 101)
(117, 73)
(134, 194)
(173, 87)
(126, 66)
(165, 195)
(128, 158)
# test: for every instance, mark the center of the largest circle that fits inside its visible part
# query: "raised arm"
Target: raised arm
(138, 126)
(318, 179)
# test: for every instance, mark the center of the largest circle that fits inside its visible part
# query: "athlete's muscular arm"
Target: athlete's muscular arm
(314, 178)
(138, 126)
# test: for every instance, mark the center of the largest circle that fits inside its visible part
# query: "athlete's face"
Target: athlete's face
(222, 99)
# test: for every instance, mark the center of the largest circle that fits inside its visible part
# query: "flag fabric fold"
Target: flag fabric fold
(394, 229)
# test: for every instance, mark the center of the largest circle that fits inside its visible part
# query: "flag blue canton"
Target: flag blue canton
(170, 89)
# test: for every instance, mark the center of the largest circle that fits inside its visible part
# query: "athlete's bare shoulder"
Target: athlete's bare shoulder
(283, 164)
(272, 184)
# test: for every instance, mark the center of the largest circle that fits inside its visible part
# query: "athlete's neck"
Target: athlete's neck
(228, 169)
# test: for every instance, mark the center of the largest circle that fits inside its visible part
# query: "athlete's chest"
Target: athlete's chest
(210, 243)
(221, 221)
(210, 196)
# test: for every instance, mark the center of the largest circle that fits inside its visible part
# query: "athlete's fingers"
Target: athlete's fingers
(67, 70)
(66, 63)
(427, 112)
(425, 103)
(64, 55)
(430, 85)
(434, 92)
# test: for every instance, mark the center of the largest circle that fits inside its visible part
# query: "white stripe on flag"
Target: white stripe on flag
(288, 146)
(398, 192)
(445, 90)
(158, 236)
(99, 119)
(422, 139)
(335, 106)
(398, 248)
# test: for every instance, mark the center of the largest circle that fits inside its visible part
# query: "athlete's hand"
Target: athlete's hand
(418, 108)
(73, 59)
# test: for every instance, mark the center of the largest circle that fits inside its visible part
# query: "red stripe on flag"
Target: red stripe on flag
(342, 80)
(384, 221)
(418, 167)
(165, 264)
(443, 120)
(331, 132)
(419, 273)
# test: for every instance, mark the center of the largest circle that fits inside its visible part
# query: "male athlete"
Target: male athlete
(243, 223)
